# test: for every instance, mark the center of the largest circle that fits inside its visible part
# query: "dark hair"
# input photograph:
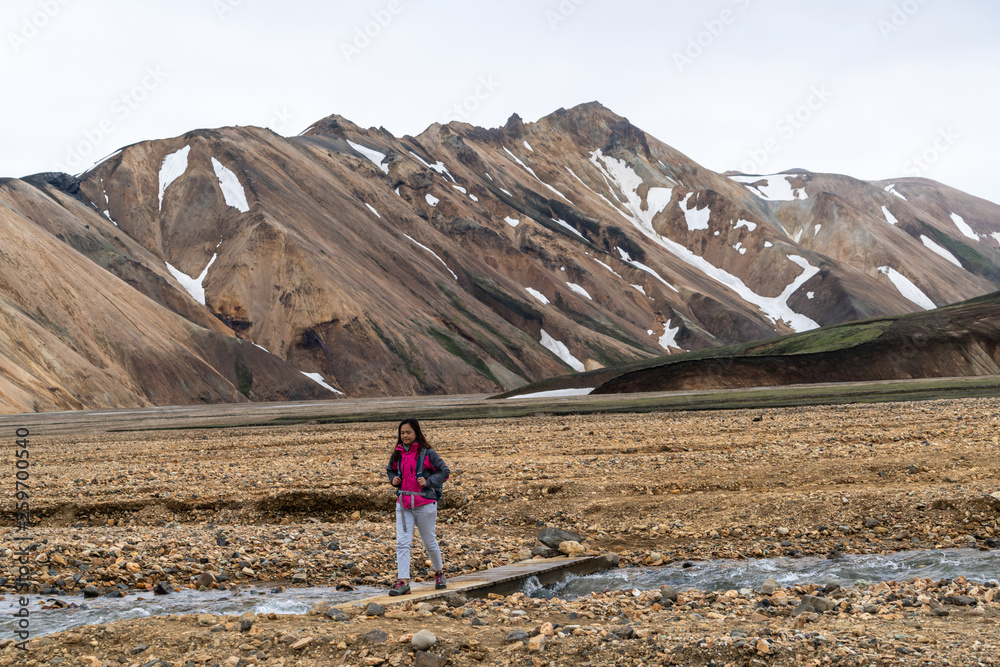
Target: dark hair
(415, 425)
(420, 440)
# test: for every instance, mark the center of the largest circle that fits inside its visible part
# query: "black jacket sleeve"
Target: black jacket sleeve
(390, 471)
(441, 472)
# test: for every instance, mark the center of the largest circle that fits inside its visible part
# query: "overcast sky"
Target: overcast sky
(871, 88)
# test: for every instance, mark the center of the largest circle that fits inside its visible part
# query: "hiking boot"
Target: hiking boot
(439, 580)
(400, 588)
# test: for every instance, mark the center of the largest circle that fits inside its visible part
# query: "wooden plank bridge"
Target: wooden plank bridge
(502, 580)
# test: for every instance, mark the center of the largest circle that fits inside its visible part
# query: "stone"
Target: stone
(72, 638)
(91, 591)
(515, 636)
(769, 586)
(300, 577)
(207, 619)
(812, 603)
(206, 579)
(374, 609)
(337, 615)
(423, 640)
(377, 636)
(301, 644)
(553, 537)
(536, 644)
(139, 649)
(320, 607)
(356, 515)
(162, 589)
(547, 629)
(424, 659)
(524, 554)
(668, 592)
(571, 548)
(964, 601)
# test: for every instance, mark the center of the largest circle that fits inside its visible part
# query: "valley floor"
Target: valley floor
(309, 503)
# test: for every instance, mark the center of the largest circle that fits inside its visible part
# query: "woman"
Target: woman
(417, 472)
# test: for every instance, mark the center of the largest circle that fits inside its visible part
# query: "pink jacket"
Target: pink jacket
(408, 470)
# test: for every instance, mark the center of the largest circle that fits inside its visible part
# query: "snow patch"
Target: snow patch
(193, 286)
(437, 166)
(528, 146)
(262, 347)
(669, 337)
(538, 295)
(556, 393)
(172, 168)
(372, 154)
(768, 244)
(964, 227)
(907, 288)
(810, 295)
(739, 248)
(889, 217)
(318, 379)
(506, 192)
(532, 172)
(891, 189)
(695, 218)
(372, 209)
(431, 199)
(935, 248)
(751, 226)
(777, 187)
(559, 349)
(816, 230)
(433, 253)
(460, 189)
(579, 290)
(642, 267)
(627, 181)
(232, 190)
(511, 221)
(570, 227)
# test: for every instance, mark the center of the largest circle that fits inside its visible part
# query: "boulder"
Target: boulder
(553, 537)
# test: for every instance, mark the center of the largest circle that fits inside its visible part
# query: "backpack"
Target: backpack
(431, 492)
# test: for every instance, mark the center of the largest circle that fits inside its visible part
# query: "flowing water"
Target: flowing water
(704, 575)
(722, 575)
(106, 610)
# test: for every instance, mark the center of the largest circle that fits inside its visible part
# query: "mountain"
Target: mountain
(463, 260)
(960, 340)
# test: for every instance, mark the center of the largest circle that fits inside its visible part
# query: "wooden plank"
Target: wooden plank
(495, 580)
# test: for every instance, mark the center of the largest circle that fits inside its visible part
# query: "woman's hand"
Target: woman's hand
(422, 482)
(396, 481)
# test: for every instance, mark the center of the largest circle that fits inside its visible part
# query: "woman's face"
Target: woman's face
(407, 435)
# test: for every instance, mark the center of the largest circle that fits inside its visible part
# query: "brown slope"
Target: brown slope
(73, 336)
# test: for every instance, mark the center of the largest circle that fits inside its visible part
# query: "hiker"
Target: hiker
(418, 473)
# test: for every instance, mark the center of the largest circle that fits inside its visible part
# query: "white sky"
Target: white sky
(901, 78)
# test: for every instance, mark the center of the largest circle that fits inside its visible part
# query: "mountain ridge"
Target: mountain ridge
(474, 260)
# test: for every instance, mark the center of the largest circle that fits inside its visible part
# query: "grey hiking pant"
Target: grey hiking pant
(423, 518)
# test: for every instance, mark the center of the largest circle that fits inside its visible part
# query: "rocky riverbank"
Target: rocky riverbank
(307, 505)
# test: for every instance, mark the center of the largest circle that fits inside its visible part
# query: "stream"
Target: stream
(724, 575)
(710, 575)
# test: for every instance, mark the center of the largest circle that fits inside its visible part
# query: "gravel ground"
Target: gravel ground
(307, 505)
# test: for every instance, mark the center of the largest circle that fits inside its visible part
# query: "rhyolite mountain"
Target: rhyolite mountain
(225, 264)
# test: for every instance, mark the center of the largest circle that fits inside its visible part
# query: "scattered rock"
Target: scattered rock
(374, 609)
(423, 640)
(553, 537)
